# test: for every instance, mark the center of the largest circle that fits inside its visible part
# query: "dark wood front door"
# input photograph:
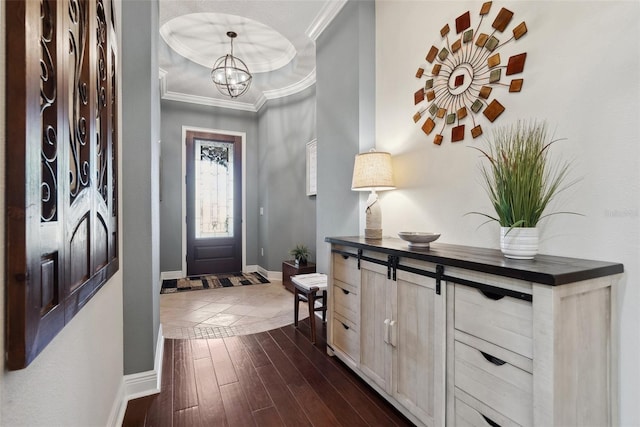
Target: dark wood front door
(214, 203)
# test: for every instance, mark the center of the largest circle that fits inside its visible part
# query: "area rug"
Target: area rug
(211, 281)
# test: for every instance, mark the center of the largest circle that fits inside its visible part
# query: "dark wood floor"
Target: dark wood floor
(272, 378)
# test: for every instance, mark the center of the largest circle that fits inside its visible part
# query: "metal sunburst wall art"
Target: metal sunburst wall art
(466, 73)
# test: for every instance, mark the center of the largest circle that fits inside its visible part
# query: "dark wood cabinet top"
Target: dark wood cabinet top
(292, 263)
(544, 269)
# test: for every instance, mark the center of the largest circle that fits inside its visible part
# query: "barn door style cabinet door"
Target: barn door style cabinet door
(401, 332)
(462, 336)
(61, 158)
(418, 341)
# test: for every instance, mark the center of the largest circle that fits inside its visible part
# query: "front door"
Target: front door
(214, 203)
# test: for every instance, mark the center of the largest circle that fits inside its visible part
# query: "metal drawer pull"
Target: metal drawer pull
(491, 295)
(346, 292)
(345, 256)
(344, 326)
(490, 421)
(492, 359)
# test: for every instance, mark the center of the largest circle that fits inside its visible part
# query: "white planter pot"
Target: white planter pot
(519, 242)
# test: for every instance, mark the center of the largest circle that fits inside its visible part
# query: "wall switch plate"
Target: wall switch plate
(261, 210)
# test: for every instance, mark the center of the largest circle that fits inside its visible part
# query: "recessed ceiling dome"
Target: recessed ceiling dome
(201, 38)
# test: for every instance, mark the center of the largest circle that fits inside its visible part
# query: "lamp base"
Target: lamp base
(373, 233)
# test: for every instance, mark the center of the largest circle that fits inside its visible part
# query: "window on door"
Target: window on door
(214, 186)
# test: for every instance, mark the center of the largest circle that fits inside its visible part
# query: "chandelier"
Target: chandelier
(230, 74)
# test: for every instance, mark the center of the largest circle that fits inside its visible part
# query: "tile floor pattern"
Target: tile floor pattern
(226, 312)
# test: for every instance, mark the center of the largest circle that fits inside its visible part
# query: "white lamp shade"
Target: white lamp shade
(372, 172)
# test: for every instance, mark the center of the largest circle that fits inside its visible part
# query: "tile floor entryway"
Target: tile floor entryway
(226, 312)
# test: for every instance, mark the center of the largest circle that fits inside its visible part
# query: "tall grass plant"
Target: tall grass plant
(519, 178)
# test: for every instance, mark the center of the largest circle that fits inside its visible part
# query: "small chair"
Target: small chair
(306, 288)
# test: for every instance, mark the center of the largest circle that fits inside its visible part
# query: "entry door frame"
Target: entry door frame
(243, 137)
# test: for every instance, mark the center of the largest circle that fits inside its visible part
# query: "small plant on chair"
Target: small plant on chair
(301, 254)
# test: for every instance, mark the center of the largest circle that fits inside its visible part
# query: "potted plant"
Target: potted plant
(521, 180)
(301, 254)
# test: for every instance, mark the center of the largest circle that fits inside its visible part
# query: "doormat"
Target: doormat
(211, 281)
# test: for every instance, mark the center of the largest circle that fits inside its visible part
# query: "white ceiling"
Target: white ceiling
(276, 39)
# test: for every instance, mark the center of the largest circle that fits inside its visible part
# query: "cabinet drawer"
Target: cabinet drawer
(472, 415)
(346, 270)
(506, 322)
(346, 337)
(497, 384)
(346, 301)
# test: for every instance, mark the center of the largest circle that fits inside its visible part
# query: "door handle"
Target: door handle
(386, 330)
(392, 333)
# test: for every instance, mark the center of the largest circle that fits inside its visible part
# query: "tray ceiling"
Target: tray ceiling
(276, 39)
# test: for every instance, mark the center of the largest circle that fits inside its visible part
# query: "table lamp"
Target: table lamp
(372, 172)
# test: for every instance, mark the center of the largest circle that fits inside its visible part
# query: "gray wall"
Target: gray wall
(140, 155)
(345, 85)
(285, 126)
(174, 116)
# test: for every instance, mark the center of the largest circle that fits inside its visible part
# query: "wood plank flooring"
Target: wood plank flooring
(274, 378)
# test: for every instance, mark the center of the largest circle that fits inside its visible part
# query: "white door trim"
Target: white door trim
(243, 136)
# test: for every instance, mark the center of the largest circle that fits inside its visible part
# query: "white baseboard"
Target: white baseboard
(251, 269)
(270, 275)
(119, 407)
(140, 384)
(168, 275)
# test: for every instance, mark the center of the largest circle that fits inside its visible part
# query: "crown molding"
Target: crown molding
(328, 12)
(197, 99)
(260, 102)
(306, 82)
(211, 102)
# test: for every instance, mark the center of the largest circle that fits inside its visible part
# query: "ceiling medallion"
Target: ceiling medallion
(463, 75)
(230, 74)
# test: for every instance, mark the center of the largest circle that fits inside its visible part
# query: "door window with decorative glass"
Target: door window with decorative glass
(214, 189)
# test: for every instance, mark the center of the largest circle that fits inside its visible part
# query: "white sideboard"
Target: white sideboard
(455, 335)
